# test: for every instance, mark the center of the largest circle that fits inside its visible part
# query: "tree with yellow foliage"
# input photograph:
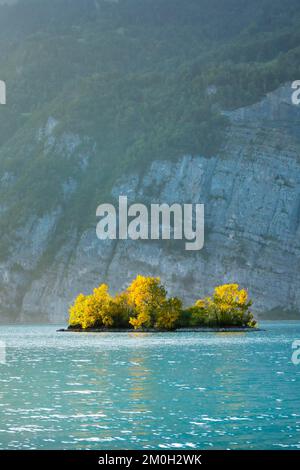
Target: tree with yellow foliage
(230, 306)
(83, 312)
(90, 311)
(145, 305)
(76, 311)
(145, 295)
(168, 314)
(102, 306)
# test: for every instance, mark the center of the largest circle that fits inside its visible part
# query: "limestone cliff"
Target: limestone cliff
(251, 192)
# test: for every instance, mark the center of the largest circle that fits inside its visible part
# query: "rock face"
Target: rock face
(251, 192)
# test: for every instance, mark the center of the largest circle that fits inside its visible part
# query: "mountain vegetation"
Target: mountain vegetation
(125, 82)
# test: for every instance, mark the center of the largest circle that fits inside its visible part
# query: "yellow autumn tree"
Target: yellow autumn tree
(168, 314)
(145, 295)
(145, 305)
(90, 311)
(102, 305)
(76, 311)
(230, 305)
(83, 313)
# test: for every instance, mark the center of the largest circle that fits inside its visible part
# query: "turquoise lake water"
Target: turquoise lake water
(149, 391)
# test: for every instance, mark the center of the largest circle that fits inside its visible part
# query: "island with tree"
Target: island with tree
(145, 306)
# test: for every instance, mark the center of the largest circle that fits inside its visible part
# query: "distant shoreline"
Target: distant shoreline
(150, 330)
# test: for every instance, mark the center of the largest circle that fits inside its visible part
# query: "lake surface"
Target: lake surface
(149, 391)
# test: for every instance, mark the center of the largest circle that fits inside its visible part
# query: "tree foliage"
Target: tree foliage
(146, 295)
(131, 89)
(145, 305)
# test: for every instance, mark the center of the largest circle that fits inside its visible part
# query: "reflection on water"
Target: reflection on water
(149, 391)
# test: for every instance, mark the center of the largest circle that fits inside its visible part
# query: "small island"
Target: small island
(145, 306)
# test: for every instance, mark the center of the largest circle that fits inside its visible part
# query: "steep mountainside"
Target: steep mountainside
(251, 190)
(128, 97)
